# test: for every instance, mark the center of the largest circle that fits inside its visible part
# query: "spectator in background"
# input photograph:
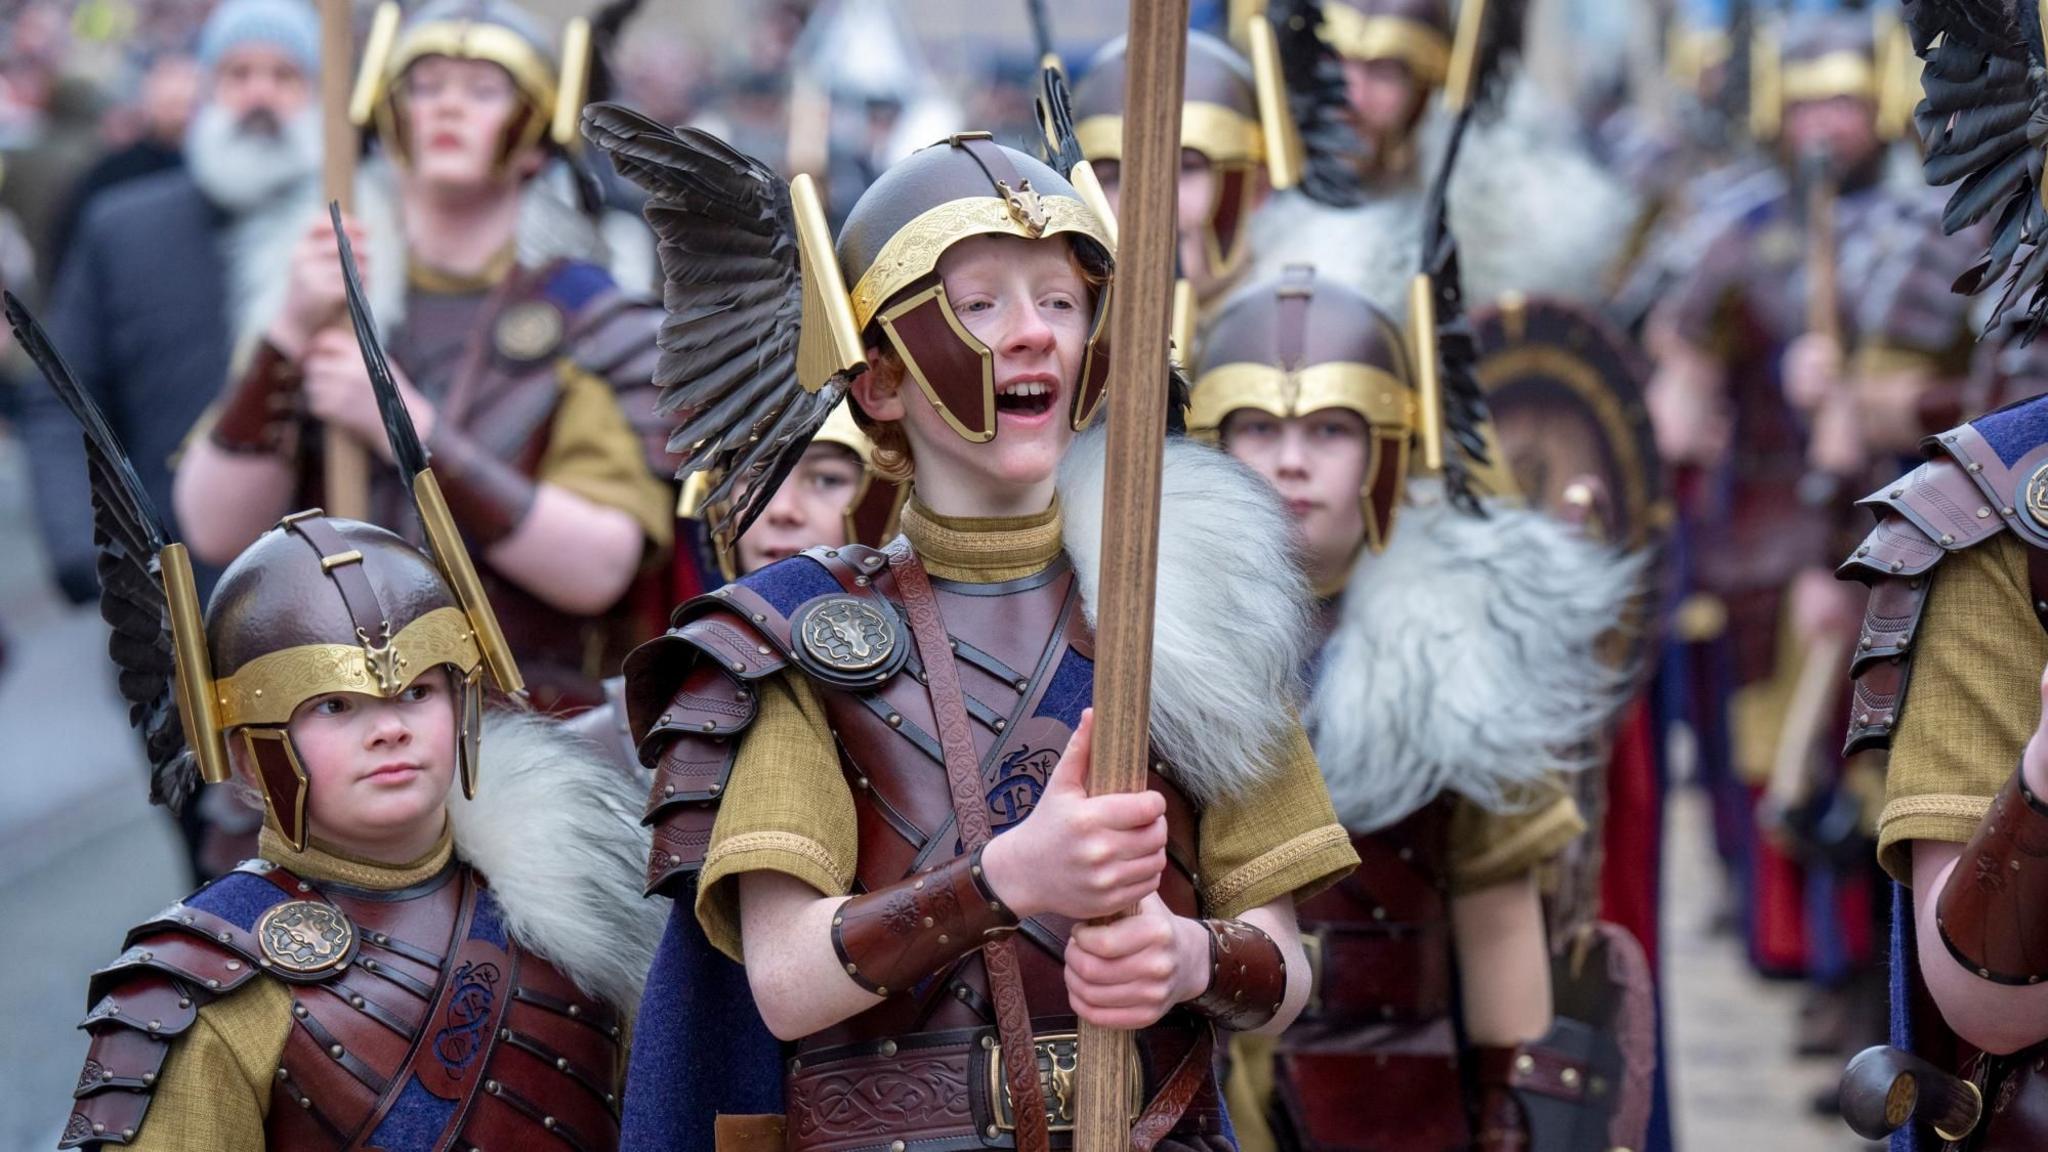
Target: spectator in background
(41, 174)
(169, 91)
(142, 304)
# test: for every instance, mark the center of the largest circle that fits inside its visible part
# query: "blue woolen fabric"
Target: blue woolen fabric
(699, 1046)
(786, 584)
(489, 922)
(574, 284)
(415, 1122)
(1072, 689)
(2015, 429)
(1902, 991)
(240, 898)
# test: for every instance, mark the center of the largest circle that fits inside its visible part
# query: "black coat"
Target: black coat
(140, 311)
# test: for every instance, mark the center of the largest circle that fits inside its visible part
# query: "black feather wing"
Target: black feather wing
(1984, 122)
(733, 286)
(129, 535)
(1317, 105)
(1499, 53)
(1457, 347)
(1056, 119)
(406, 449)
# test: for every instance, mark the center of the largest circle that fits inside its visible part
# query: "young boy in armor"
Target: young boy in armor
(875, 763)
(1457, 674)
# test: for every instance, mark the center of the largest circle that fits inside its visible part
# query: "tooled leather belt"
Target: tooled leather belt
(945, 1091)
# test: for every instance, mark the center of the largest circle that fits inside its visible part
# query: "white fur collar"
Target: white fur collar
(1230, 631)
(556, 829)
(1464, 659)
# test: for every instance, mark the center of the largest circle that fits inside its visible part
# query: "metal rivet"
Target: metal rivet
(668, 790)
(888, 1048)
(945, 939)
(303, 887)
(851, 970)
(299, 1010)
(215, 984)
(1525, 1063)
(991, 1131)
(758, 618)
(928, 922)
(860, 581)
(1021, 685)
(895, 720)
(234, 965)
(306, 1102)
(666, 717)
(884, 992)
(1947, 539)
(1897, 492)
(988, 1042)
(284, 1074)
(1001, 724)
(917, 885)
(895, 1146)
(561, 1063)
(575, 1011)
(99, 1129)
(149, 1078)
(224, 937)
(548, 1122)
(1976, 467)
(763, 649)
(861, 783)
(1984, 513)
(355, 1001)
(1569, 1077)
(335, 1051)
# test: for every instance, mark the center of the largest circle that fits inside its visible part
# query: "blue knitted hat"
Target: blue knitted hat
(288, 25)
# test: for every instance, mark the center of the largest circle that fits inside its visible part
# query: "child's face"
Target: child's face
(457, 114)
(1026, 300)
(808, 509)
(377, 770)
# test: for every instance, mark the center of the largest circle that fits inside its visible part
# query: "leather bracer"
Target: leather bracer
(1989, 913)
(255, 417)
(1247, 976)
(488, 496)
(891, 938)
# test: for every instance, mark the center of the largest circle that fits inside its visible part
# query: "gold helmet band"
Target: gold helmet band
(1384, 399)
(1355, 35)
(911, 253)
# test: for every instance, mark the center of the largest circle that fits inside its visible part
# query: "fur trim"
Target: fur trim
(1230, 630)
(1532, 212)
(550, 227)
(1464, 658)
(556, 829)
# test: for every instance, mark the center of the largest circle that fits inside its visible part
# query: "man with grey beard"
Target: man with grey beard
(143, 304)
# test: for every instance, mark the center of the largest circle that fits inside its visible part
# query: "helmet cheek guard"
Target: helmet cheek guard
(1224, 235)
(954, 370)
(1092, 382)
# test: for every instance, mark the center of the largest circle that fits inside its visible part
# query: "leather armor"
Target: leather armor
(1372, 1064)
(417, 1022)
(1025, 666)
(502, 395)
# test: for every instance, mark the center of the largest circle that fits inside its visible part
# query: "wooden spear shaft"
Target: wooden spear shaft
(345, 490)
(1140, 311)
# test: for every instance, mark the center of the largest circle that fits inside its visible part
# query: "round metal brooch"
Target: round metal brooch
(847, 640)
(2034, 498)
(528, 330)
(303, 937)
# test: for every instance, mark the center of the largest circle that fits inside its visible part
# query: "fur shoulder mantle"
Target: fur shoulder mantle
(1230, 628)
(1465, 658)
(556, 829)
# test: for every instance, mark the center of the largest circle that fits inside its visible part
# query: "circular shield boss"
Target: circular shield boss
(305, 937)
(2034, 498)
(528, 330)
(1566, 393)
(848, 641)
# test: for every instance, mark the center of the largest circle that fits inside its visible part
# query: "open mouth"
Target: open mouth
(1025, 398)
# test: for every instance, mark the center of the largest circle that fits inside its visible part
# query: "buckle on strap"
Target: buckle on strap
(1059, 1059)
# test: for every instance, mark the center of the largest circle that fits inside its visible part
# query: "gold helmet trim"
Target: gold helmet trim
(1845, 73)
(1384, 399)
(1224, 135)
(556, 98)
(913, 252)
(1357, 36)
(268, 689)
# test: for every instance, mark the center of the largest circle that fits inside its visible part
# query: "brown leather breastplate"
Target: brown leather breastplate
(1372, 1065)
(439, 1032)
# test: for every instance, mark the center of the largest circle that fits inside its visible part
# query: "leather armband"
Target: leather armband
(1990, 912)
(255, 417)
(1247, 976)
(487, 496)
(891, 938)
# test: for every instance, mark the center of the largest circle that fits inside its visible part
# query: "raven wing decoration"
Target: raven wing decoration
(1984, 123)
(1319, 112)
(1446, 350)
(758, 345)
(143, 574)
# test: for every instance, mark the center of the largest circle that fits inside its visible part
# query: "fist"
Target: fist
(1077, 855)
(1128, 973)
(1812, 370)
(339, 394)
(1687, 412)
(314, 296)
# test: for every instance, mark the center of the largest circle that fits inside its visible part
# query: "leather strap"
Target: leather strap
(1290, 327)
(1171, 1102)
(970, 811)
(255, 417)
(344, 565)
(1989, 911)
(487, 496)
(994, 164)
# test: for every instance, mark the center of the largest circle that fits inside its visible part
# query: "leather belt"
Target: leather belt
(1378, 973)
(940, 1091)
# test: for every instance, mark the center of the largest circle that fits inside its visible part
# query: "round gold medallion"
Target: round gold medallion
(528, 330)
(301, 937)
(847, 639)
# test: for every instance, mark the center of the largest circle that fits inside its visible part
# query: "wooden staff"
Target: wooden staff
(1138, 318)
(346, 486)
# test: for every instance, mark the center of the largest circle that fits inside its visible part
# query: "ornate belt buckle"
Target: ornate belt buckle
(1059, 1060)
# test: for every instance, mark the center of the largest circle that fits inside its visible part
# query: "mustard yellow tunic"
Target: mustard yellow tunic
(214, 1091)
(1971, 704)
(789, 809)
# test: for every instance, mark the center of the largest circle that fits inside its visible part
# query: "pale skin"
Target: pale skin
(1997, 1018)
(1075, 855)
(1317, 462)
(808, 510)
(461, 207)
(378, 770)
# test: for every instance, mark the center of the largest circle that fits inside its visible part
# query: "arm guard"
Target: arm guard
(488, 496)
(255, 415)
(1247, 976)
(1550, 1095)
(1989, 910)
(894, 937)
